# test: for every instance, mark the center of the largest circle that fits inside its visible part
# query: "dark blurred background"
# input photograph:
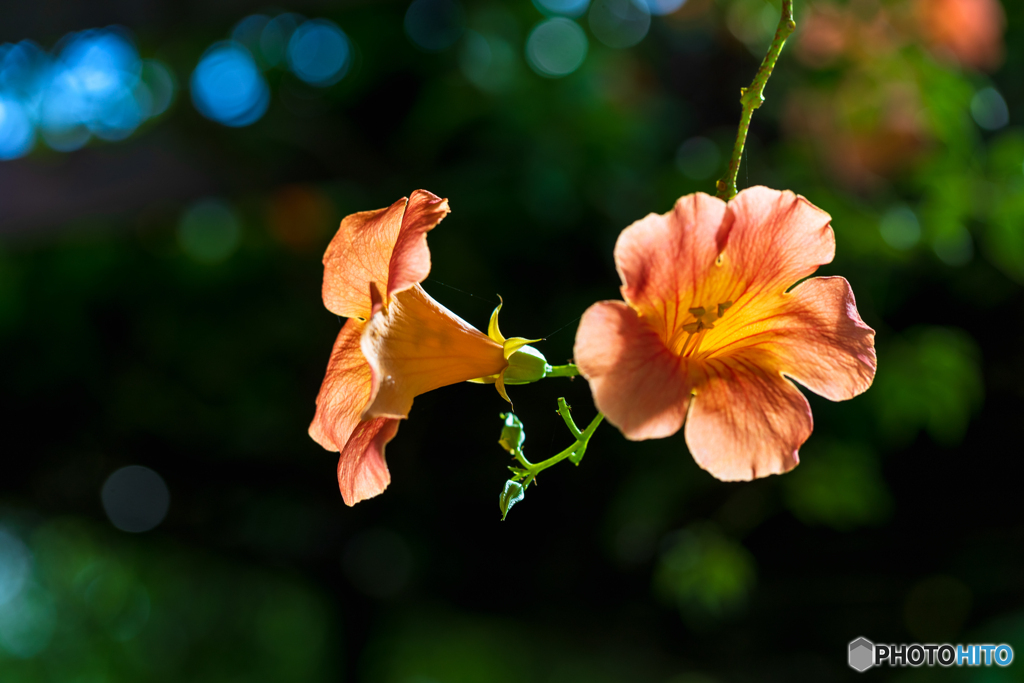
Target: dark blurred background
(171, 173)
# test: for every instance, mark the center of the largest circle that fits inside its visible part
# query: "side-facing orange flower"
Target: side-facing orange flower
(713, 332)
(398, 342)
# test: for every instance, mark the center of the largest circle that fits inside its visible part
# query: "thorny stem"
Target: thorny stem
(753, 97)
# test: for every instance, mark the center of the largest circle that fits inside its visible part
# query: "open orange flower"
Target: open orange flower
(711, 334)
(398, 342)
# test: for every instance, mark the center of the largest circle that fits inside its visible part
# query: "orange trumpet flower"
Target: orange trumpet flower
(398, 342)
(712, 332)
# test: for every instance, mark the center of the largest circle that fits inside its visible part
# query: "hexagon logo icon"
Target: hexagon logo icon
(862, 654)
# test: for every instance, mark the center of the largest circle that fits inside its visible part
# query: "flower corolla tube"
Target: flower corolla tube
(398, 342)
(718, 323)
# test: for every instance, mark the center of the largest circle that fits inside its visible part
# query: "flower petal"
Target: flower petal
(362, 471)
(746, 420)
(410, 262)
(636, 382)
(667, 262)
(418, 345)
(344, 391)
(775, 239)
(822, 342)
(383, 246)
(358, 255)
(813, 331)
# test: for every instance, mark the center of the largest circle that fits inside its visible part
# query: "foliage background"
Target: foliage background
(124, 345)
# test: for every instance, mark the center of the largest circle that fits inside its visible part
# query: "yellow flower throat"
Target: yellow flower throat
(704, 320)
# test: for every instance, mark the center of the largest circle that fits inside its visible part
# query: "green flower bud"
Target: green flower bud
(526, 365)
(513, 493)
(513, 436)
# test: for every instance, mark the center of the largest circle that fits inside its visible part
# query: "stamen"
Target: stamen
(682, 351)
(705, 320)
(696, 347)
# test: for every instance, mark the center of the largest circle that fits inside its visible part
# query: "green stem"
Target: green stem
(530, 470)
(568, 370)
(753, 97)
(564, 411)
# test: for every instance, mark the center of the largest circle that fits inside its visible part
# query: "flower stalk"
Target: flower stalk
(512, 439)
(752, 97)
(567, 370)
(529, 471)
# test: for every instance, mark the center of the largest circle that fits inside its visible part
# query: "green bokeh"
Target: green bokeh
(177, 323)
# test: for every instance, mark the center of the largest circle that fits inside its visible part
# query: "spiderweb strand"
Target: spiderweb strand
(549, 336)
(434, 280)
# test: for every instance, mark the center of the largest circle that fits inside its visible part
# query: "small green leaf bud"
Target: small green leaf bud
(526, 365)
(513, 493)
(512, 434)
